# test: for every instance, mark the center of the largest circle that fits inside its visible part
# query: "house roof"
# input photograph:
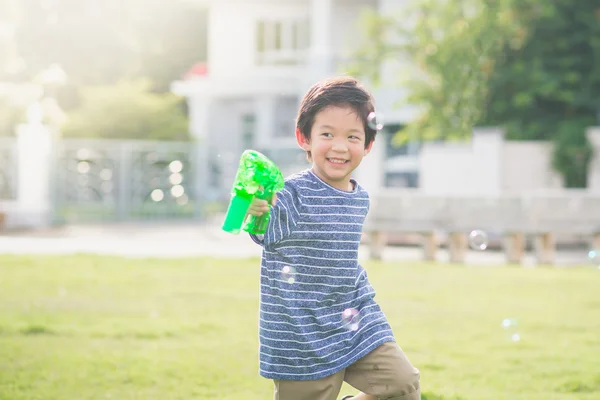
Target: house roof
(199, 69)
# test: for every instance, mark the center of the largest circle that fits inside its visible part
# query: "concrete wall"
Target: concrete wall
(463, 168)
(232, 35)
(345, 24)
(527, 166)
(446, 169)
(489, 166)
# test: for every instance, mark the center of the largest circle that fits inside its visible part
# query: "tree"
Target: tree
(548, 90)
(525, 65)
(449, 49)
(102, 43)
(128, 110)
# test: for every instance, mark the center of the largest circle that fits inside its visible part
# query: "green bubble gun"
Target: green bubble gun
(256, 176)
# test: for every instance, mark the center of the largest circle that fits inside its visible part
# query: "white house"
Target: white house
(262, 57)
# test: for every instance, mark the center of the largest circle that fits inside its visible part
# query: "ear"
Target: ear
(302, 141)
(369, 147)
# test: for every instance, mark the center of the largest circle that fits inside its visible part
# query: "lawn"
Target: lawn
(87, 327)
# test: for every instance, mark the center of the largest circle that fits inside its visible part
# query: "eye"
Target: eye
(326, 134)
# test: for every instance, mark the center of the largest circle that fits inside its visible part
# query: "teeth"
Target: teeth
(337, 161)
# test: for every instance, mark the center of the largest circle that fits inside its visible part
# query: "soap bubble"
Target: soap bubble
(478, 240)
(375, 121)
(350, 319)
(509, 323)
(594, 256)
(288, 274)
(511, 326)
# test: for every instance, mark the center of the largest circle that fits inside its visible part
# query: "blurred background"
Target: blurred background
(121, 127)
(137, 111)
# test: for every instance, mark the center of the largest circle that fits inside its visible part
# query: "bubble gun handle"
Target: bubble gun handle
(257, 176)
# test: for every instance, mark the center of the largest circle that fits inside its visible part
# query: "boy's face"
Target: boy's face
(337, 145)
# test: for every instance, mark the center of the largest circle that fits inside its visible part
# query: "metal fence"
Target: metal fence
(116, 180)
(101, 180)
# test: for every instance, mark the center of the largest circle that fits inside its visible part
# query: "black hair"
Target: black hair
(341, 91)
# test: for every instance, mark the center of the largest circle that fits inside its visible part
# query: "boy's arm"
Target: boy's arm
(257, 208)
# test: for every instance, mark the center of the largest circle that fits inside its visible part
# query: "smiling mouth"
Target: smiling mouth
(337, 161)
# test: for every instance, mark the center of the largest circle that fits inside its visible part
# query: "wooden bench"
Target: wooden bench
(498, 215)
(540, 216)
(402, 211)
(559, 214)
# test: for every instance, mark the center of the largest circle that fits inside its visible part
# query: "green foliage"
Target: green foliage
(185, 329)
(128, 110)
(530, 66)
(103, 43)
(572, 152)
(548, 90)
(171, 37)
(448, 50)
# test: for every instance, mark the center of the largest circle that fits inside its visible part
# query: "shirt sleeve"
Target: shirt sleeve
(285, 215)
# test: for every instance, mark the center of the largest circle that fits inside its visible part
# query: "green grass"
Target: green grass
(86, 327)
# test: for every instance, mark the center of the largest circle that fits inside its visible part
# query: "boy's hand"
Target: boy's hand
(259, 206)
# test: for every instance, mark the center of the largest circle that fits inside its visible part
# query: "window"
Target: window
(248, 128)
(406, 176)
(281, 42)
(402, 179)
(286, 108)
(410, 148)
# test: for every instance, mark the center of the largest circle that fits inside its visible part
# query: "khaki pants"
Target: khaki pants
(385, 372)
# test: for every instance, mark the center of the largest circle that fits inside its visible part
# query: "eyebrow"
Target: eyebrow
(332, 128)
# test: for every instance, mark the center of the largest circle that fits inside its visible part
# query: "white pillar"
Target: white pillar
(199, 126)
(320, 61)
(34, 146)
(593, 178)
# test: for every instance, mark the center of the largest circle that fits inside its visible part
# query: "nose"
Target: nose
(339, 146)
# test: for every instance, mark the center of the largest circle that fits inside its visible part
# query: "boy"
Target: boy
(319, 324)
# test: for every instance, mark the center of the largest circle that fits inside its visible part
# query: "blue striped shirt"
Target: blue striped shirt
(309, 276)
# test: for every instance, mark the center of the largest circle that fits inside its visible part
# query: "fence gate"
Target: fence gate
(116, 180)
